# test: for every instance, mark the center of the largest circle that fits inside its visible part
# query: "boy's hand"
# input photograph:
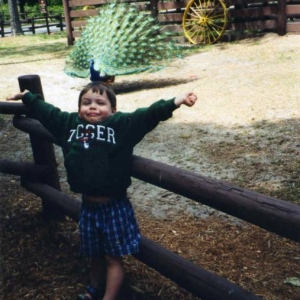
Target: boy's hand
(17, 96)
(188, 99)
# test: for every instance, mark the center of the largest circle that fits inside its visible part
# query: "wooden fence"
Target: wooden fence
(246, 18)
(33, 23)
(41, 178)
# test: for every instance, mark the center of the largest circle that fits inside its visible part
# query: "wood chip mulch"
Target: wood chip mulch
(40, 260)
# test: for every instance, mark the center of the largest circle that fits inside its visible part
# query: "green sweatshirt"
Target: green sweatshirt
(98, 156)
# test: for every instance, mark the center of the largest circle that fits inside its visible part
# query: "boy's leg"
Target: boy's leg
(97, 279)
(114, 277)
(97, 271)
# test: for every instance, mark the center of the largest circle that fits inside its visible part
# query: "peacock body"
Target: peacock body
(119, 41)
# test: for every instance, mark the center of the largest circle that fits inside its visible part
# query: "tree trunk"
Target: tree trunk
(16, 28)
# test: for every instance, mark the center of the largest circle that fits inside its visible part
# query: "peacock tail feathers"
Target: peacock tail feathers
(121, 40)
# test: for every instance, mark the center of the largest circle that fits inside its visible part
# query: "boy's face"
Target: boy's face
(95, 107)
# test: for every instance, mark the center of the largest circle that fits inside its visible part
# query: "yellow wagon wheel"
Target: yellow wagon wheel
(204, 21)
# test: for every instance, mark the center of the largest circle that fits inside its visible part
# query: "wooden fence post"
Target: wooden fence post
(61, 25)
(68, 22)
(47, 22)
(2, 26)
(281, 18)
(32, 25)
(154, 10)
(43, 150)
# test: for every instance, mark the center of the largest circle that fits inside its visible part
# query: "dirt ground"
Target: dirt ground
(244, 130)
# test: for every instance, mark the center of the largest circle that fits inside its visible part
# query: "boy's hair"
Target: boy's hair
(100, 88)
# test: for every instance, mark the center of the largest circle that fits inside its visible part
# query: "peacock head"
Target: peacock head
(98, 76)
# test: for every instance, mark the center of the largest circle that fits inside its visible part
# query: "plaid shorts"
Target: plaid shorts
(108, 228)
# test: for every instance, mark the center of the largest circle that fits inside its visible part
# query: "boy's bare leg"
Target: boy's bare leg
(97, 271)
(114, 277)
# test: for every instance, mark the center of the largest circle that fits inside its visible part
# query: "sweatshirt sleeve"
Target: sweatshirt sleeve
(144, 120)
(51, 117)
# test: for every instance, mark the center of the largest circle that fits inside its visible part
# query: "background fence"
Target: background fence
(33, 23)
(246, 18)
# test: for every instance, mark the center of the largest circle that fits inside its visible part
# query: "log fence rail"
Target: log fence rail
(41, 178)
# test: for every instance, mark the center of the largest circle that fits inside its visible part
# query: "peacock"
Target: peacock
(120, 40)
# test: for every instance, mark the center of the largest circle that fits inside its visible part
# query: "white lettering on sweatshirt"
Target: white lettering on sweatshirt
(90, 131)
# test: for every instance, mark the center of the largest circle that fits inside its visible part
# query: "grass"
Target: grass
(27, 48)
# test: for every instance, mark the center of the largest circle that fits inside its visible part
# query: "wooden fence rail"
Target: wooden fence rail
(269, 213)
(193, 278)
(246, 18)
(275, 215)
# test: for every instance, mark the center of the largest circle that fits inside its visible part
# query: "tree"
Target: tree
(16, 28)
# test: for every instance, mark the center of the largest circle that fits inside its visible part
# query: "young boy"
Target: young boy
(97, 144)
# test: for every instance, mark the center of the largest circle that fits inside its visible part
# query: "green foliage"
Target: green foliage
(28, 2)
(55, 10)
(55, 3)
(121, 40)
(35, 2)
(4, 10)
(34, 10)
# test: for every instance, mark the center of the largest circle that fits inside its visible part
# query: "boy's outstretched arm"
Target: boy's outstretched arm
(17, 96)
(188, 99)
